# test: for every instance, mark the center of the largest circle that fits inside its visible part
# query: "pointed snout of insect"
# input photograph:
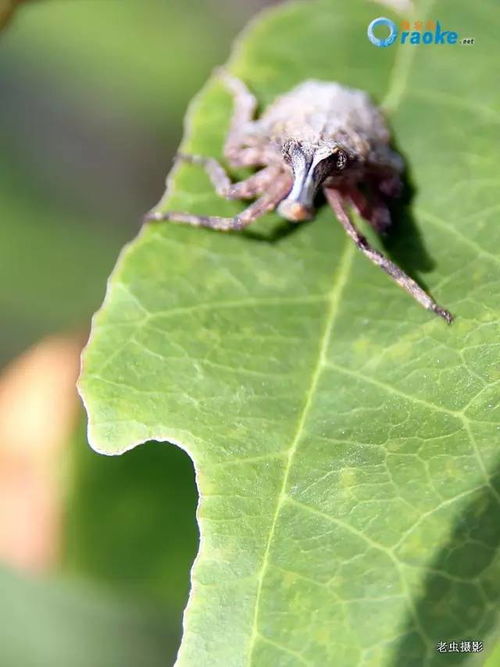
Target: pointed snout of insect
(295, 211)
(299, 203)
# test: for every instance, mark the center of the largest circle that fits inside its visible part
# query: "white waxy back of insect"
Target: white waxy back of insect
(319, 111)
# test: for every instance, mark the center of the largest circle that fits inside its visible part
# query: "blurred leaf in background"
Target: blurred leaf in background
(55, 623)
(130, 521)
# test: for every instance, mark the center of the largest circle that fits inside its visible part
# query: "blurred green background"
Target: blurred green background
(92, 95)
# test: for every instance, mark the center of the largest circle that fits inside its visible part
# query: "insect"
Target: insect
(319, 136)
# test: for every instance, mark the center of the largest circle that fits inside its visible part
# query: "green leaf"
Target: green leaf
(345, 440)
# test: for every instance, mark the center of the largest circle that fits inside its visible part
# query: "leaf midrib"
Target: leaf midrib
(339, 282)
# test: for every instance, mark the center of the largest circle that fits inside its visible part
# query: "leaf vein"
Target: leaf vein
(334, 301)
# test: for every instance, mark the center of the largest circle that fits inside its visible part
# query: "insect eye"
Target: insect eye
(340, 158)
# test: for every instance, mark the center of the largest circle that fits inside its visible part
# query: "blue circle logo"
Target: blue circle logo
(386, 41)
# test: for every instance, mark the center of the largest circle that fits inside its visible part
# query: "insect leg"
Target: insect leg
(265, 203)
(247, 189)
(400, 277)
(245, 105)
(373, 209)
(245, 101)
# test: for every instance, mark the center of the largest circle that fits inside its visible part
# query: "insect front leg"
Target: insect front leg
(252, 186)
(267, 202)
(245, 105)
(334, 198)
